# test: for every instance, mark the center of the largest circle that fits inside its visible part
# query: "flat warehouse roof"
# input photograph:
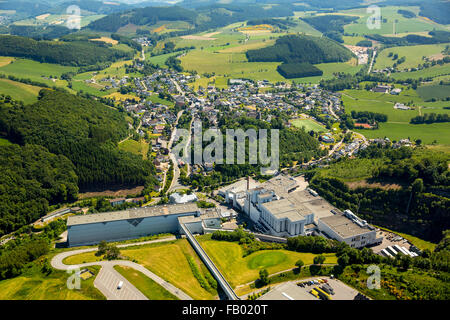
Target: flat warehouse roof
(135, 213)
(285, 209)
(318, 205)
(344, 226)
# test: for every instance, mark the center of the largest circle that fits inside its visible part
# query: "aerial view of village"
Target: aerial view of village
(224, 150)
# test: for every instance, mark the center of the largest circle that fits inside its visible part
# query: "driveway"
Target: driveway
(108, 278)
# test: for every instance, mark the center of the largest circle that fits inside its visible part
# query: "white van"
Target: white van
(120, 285)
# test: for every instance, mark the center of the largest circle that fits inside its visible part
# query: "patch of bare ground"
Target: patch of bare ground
(111, 193)
(366, 184)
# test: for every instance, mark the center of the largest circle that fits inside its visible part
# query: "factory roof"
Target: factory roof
(285, 209)
(281, 184)
(343, 226)
(316, 204)
(135, 213)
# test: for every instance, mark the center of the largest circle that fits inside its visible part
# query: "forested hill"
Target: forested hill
(83, 130)
(83, 53)
(408, 189)
(300, 49)
(203, 18)
(31, 179)
(143, 16)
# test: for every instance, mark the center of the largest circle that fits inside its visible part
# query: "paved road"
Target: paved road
(108, 279)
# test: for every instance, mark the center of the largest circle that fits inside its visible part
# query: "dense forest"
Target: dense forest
(64, 53)
(419, 206)
(298, 53)
(31, 179)
(298, 70)
(83, 130)
(298, 49)
(436, 10)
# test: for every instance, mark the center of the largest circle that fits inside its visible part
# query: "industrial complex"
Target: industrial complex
(279, 207)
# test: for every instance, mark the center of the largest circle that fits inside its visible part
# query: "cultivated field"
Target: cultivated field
(413, 55)
(19, 91)
(28, 69)
(308, 124)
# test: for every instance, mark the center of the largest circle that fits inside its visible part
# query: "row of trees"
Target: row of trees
(431, 118)
(368, 116)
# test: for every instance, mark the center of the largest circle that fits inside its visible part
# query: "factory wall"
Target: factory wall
(93, 233)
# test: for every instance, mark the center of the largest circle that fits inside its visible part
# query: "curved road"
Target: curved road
(108, 278)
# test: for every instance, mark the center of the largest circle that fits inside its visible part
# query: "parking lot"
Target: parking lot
(390, 239)
(292, 291)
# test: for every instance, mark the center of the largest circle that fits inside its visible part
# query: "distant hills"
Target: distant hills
(73, 53)
(200, 19)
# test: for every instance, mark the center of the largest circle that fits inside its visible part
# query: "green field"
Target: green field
(28, 69)
(161, 59)
(228, 256)
(33, 285)
(156, 99)
(361, 100)
(144, 284)
(413, 55)
(19, 91)
(309, 125)
(398, 127)
(433, 71)
(139, 148)
(404, 25)
(428, 92)
(428, 133)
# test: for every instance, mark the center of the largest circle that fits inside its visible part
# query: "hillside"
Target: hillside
(203, 18)
(300, 49)
(85, 131)
(31, 179)
(404, 190)
(298, 53)
(64, 53)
